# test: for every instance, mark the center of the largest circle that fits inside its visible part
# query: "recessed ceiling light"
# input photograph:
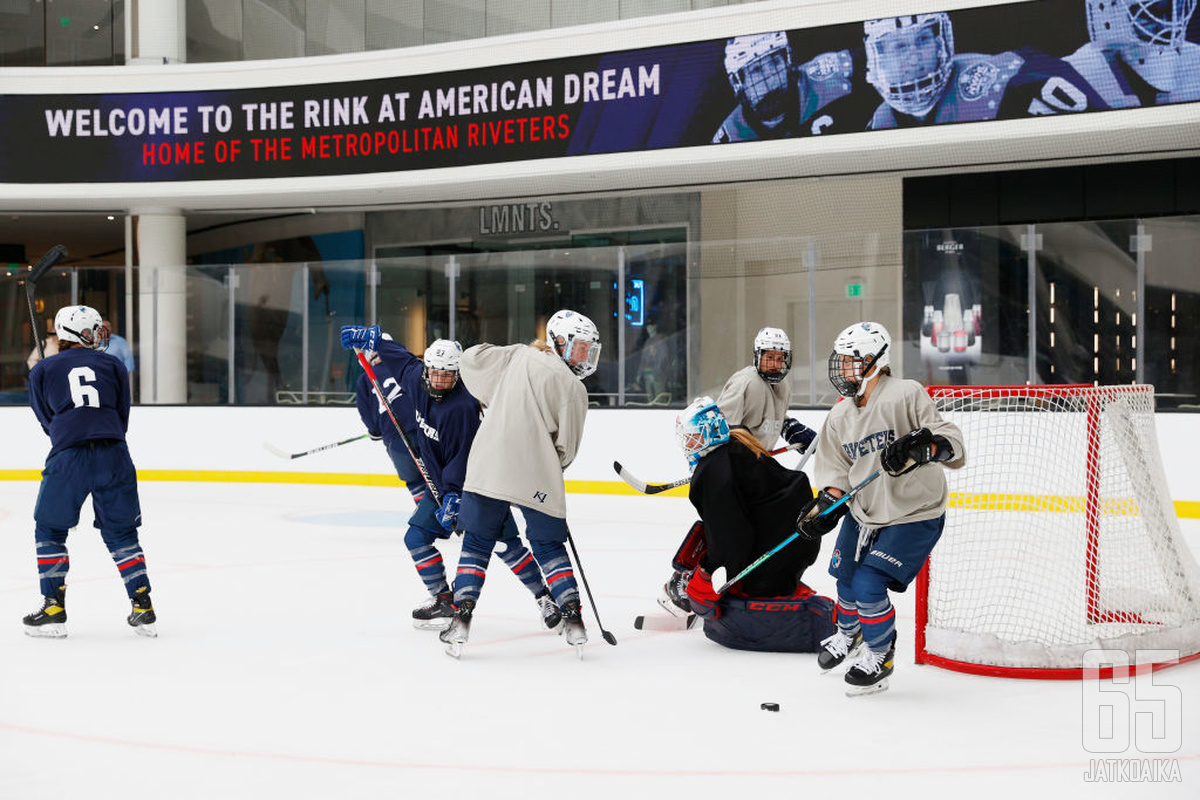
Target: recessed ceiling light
(110, 216)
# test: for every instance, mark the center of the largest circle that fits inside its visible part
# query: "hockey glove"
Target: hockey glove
(447, 514)
(914, 449)
(813, 522)
(702, 595)
(796, 432)
(364, 337)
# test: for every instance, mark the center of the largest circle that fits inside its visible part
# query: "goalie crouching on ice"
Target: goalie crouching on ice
(748, 503)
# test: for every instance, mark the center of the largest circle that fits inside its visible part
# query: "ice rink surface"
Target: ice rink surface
(287, 667)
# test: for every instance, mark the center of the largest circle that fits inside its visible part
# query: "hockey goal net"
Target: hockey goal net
(1060, 537)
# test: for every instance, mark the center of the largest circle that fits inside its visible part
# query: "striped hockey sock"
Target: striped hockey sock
(428, 562)
(878, 623)
(523, 565)
(53, 564)
(847, 617)
(472, 572)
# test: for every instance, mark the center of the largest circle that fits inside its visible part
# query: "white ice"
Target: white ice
(286, 667)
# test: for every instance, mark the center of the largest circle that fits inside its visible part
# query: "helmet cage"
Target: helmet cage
(772, 339)
(912, 96)
(441, 358)
(1157, 24)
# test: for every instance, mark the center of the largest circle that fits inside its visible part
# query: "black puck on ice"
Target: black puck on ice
(770, 706)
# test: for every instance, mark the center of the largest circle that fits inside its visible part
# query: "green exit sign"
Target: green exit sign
(853, 290)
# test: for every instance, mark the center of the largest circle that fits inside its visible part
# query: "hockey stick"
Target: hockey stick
(53, 256)
(655, 488)
(665, 622)
(282, 454)
(366, 365)
(608, 637)
(754, 565)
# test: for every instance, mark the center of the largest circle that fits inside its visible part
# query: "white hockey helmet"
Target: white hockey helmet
(574, 337)
(441, 357)
(82, 325)
(769, 339)
(764, 88)
(700, 428)
(856, 351)
(910, 59)
(1149, 33)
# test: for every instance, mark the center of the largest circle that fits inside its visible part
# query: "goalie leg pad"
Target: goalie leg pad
(692, 550)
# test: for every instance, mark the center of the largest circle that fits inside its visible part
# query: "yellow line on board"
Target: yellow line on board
(1185, 509)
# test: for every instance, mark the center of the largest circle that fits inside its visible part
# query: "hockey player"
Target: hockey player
(776, 99)
(893, 523)
(535, 406)
(748, 503)
(756, 398)
(81, 399)
(1138, 54)
(380, 428)
(911, 62)
(446, 419)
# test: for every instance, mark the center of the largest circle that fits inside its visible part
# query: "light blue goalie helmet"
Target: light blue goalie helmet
(700, 428)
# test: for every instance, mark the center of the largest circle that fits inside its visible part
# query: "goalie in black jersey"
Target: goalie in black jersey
(748, 503)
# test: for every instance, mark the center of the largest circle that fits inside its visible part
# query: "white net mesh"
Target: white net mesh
(1060, 536)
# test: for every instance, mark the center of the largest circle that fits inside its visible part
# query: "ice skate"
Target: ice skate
(837, 648)
(572, 626)
(459, 631)
(551, 615)
(869, 674)
(142, 618)
(50, 620)
(435, 614)
(674, 599)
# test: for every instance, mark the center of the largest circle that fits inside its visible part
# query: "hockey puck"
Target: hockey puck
(770, 706)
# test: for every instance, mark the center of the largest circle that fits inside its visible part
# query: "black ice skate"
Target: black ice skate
(50, 621)
(674, 599)
(837, 648)
(572, 626)
(459, 631)
(142, 618)
(869, 674)
(435, 614)
(551, 615)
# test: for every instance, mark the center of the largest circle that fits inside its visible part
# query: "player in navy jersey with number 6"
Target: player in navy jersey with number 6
(81, 398)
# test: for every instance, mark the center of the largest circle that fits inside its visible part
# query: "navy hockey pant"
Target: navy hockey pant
(482, 519)
(406, 468)
(890, 559)
(104, 470)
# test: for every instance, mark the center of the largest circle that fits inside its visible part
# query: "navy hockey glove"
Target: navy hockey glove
(796, 432)
(813, 522)
(447, 515)
(914, 449)
(363, 337)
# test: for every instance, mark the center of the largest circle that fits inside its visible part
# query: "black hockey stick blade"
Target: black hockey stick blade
(286, 455)
(664, 622)
(53, 256)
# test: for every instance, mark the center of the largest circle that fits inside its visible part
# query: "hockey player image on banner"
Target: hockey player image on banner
(534, 407)
(748, 503)
(1138, 54)
(777, 99)
(756, 398)
(892, 525)
(81, 398)
(912, 63)
(445, 420)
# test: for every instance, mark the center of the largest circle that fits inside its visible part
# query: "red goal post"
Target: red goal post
(1061, 538)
